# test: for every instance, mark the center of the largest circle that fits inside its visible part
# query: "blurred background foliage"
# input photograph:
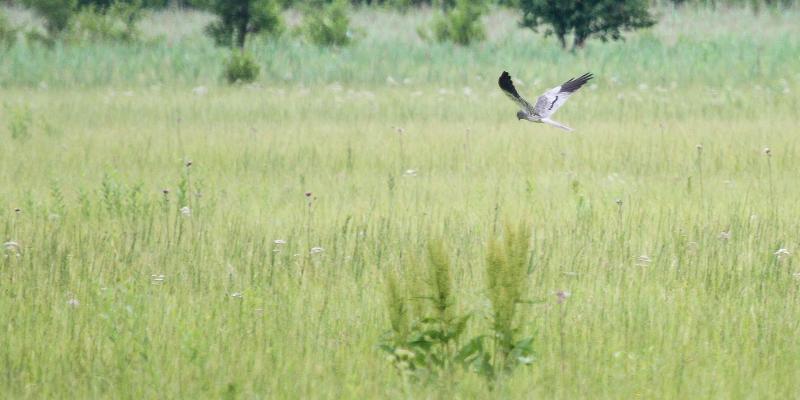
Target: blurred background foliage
(101, 41)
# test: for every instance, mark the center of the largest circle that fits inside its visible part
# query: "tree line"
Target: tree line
(326, 22)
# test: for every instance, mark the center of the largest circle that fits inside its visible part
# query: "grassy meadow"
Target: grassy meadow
(141, 201)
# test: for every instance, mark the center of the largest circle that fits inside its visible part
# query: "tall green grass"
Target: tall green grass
(668, 253)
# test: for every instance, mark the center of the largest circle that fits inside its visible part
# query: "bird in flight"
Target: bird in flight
(547, 104)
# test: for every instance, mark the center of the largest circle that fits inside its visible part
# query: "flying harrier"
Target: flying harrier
(547, 104)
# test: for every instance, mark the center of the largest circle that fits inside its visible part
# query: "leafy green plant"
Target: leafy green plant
(327, 25)
(241, 68)
(604, 19)
(460, 25)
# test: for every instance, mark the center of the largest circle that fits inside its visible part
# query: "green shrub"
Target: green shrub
(116, 23)
(461, 25)
(327, 25)
(8, 34)
(57, 14)
(241, 68)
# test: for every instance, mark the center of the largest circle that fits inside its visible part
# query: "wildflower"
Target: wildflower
(643, 260)
(200, 90)
(186, 211)
(188, 163)
(782, 253)
(157, 279)
(725, 235)
(399, 130)
(73, 302)
(316, 250)
(699, 148)
(410, 172)
(403, 353)
(17, 210)
(525, 360)
(562, 296)
(619, 202)
(165, 191)
(12, 246)
(308, 194)
(767, 152)
(279, 241)
(237, 295)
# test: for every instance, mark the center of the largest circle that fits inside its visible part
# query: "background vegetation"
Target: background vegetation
(166, 235)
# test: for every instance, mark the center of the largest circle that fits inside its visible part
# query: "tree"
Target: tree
(604, 19)
(239, 18)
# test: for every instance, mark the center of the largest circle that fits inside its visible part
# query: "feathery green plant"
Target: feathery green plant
(425, 349)
(432, 346)
(507, 278)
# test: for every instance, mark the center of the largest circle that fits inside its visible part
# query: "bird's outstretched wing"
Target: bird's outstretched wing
(549, 102)
(508, 88)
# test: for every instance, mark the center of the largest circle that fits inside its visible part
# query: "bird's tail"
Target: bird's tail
(550, 122)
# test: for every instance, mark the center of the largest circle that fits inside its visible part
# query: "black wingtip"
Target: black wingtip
(504, 77)
(576, 83)
(506, 84)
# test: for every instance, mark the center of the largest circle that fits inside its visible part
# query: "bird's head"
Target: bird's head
(522, 115)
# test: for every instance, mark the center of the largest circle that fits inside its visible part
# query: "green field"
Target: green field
(668, 249)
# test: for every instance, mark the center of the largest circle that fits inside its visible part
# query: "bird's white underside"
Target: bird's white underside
(548, 121)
